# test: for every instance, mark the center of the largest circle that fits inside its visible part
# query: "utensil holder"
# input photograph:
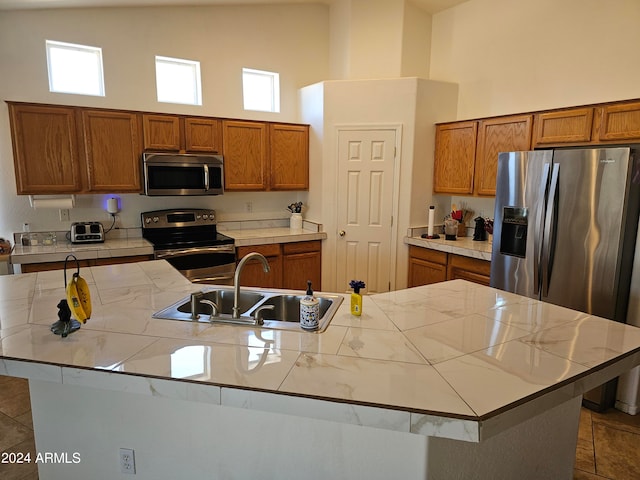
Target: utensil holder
(295, 223)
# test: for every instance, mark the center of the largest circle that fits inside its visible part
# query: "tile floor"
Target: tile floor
(608, 443)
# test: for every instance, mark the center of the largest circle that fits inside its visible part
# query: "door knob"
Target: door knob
(342, 233)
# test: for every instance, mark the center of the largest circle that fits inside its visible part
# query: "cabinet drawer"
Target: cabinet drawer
(301, 247)
(476, 265)
(272, 250)
(427, 254)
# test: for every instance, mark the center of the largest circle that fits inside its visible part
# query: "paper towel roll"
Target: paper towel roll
(432, 211)
(52, 202)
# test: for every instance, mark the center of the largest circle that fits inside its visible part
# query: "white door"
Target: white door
(366, 161)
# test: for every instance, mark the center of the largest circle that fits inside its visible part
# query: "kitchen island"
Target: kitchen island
(451, 380)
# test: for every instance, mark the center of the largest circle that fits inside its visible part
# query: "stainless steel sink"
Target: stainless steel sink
(224, 300)
(284, 314)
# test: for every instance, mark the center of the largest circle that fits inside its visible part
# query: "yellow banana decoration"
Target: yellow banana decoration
(84, 294)
(74, 299)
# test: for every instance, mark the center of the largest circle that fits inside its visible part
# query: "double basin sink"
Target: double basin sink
(278, 310)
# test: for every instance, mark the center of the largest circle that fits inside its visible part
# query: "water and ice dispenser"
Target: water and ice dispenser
(513, 238)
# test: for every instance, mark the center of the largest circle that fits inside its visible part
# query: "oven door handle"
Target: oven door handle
(160, 254)
(206, 177)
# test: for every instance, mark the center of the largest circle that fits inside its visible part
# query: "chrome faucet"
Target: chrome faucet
(236, 278)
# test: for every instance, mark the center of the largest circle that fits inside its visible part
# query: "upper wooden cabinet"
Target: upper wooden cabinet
(615, 123)
(455, 158)
(506, 134)
(174, 133)
(113, 146)
(261, 156)
(45, 148)
(572, 125)
(289, 160)
(245, 151)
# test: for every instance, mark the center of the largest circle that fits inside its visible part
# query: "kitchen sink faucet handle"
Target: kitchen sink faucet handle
(256, 315)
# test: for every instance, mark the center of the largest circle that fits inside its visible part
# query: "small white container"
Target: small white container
(295, 223)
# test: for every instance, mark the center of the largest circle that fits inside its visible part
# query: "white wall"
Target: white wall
(520, 56)
(291, 39)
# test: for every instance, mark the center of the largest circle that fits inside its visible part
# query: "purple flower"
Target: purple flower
(357, 285)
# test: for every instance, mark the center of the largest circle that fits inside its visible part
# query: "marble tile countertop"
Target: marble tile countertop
(262, 236)
(117, 247)
(465, 246)
(453, 359)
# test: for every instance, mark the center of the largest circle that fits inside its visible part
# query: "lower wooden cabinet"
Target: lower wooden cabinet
(467, 268)
(302, 261)
(428, 266)
(291, 265)
(71, 266)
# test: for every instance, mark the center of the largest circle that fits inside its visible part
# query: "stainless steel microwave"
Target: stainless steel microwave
(182, 174)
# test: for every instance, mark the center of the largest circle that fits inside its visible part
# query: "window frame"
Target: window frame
(96, 51)
(196, 78)
(274, 97)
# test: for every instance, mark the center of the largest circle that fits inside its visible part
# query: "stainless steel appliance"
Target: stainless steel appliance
(86, 232)
(188, 239)
(182, 174)
(564, 232)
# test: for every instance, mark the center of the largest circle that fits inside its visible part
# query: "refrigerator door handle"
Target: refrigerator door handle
(549, 234)
(539, 225)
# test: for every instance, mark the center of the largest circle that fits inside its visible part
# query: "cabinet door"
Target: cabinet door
(113, 149)
(455, 158)
(619, 122)
(202, 135)
(253, 275)
(566, 126)
(426, 266)
(245, 155)
(471, 269)
(507, 134)
(289, 157)
(161, 132)
(45, 149)
(302, 261)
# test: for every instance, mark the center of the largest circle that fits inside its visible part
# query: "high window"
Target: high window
(261, 90)
(178, 81)
(75, 68)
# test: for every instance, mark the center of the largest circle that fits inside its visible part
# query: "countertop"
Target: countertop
(125, 247)
(453, 359)
(465, 246)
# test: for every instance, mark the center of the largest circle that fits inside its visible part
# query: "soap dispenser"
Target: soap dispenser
(309, 310)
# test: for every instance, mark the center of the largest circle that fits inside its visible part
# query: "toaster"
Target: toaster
(87, 232)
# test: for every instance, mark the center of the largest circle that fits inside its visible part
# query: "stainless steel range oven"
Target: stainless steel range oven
(189, 240)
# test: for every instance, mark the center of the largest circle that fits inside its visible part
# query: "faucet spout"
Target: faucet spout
(235, 313)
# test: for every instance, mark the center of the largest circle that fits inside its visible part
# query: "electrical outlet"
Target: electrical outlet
(248, 206)
(64, 214)
(127, 461)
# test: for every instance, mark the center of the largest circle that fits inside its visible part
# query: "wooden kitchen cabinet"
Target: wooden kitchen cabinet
(289, 157)
(245, 150)
(161, 132)
(455, 157)
(617, 123)
(426, 266)
(253, 275)
(265, 156)
(302, 261)
(45, 147)
(112, 148)
(569, 126)
(173, 133)
(467, 268)
(45, 266)
(495, 135)
(291, 264)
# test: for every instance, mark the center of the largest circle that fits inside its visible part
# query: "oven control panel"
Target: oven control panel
(178, 218)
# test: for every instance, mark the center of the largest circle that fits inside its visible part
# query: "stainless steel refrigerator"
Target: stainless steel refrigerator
(565, 225)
